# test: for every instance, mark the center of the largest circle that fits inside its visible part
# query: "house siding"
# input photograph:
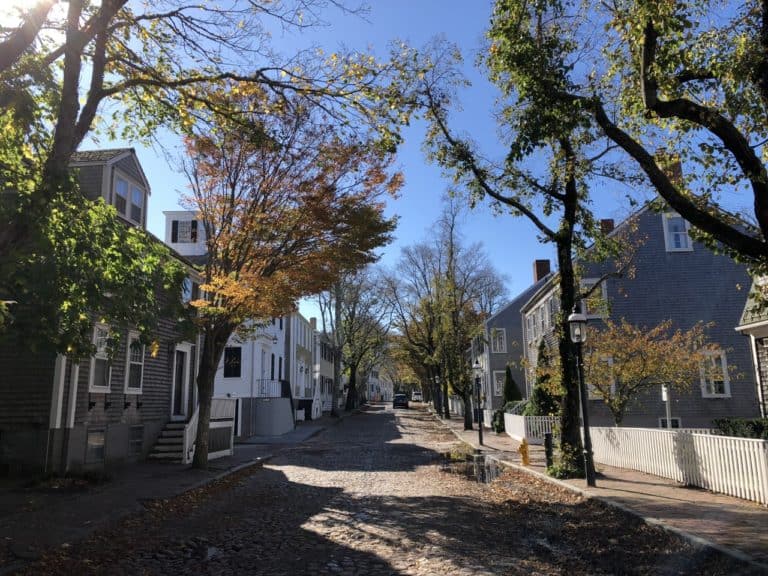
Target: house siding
(129, 166)
(90, 179)
(684, 287)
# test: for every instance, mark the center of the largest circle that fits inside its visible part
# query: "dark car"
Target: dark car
(400, 401)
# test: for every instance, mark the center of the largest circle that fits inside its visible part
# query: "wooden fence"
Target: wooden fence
(734, 466)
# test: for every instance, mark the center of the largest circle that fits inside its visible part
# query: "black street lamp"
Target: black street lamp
(478, 371)
(577, 323)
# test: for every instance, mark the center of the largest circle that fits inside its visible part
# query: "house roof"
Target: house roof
(522, 297)
(95, 156)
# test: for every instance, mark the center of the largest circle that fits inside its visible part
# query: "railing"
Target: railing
(725, 464)
(267, 388)
(518, 408)
(223, 408)
(222, 427)
(529, 428)
(190, 433)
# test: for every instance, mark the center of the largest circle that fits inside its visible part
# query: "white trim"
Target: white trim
(118, 173)
(185, 347)
(74, 377)
(501, 349)
(57, 395)
(726, 380)
(99, 355)
(667, 237)
(756, 367)
(133, 335)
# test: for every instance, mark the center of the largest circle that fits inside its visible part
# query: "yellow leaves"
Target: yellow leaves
(154, 348)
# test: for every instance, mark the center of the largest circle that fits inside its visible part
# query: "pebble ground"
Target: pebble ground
(376, 495)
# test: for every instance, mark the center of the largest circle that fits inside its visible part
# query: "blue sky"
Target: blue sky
(510, 243)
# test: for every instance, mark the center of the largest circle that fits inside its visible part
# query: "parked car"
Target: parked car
(416, 396)
(400, 401)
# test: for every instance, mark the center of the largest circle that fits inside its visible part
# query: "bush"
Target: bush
(511, 391)
(743, 427)
(498, 421)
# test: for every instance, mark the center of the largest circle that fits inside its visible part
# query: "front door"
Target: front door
(181, 381)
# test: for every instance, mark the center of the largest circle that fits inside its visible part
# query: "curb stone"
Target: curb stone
(692, 539)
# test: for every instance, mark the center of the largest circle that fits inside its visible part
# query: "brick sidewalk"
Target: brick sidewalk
(736, 525)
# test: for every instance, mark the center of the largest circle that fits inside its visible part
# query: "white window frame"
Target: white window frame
(668, 237)
(705, 393)
(119, 175)
(672, 419)
(101, 354)
(495, 332)
(188, 238)
(498, 384)
(133, 335)
(586, 284)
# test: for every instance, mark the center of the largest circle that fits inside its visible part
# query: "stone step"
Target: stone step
(168, 456)
(172, 434)
(175, 426)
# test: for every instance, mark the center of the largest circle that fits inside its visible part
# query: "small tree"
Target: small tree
(623, 361)
(545, 398)
(511, 391)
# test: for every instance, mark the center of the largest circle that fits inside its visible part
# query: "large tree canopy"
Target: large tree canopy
(672, 84)
(287, 206)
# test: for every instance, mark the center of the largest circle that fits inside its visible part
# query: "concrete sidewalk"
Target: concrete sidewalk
(58, 512)
(735, 526)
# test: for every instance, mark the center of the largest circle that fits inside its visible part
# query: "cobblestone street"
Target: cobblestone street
(372, 495)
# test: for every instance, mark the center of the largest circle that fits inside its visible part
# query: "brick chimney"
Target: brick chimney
(606, 225)
(540, 269)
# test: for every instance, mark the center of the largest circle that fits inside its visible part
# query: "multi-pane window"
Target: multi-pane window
(498, 382)
(121, 196)
(676, 233)
(674, 421)
(94, 450)
(134, 364)
(596, 303)
(101, 367)
(714, 375)
(184, 231)
(606, 369)
(137, 204)
(498, 340)
(232, 361)
(129, 200)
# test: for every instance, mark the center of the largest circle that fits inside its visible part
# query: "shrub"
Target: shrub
(498, 421)
(511, 391)
(743, 427)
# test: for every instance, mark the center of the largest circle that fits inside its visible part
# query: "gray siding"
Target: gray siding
(90, 179)
(129, 166)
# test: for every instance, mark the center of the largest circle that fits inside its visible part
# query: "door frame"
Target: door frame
(185, 347)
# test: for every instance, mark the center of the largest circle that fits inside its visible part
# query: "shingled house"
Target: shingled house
(58, 414)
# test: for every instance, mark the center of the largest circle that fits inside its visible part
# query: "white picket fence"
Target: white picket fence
(530, 428)
(734, 466)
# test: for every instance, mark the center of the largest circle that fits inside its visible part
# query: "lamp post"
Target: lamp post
(577, 323)
(478, 371)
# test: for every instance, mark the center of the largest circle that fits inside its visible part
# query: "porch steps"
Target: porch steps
(170, 444)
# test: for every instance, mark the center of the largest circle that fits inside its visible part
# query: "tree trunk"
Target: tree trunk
(213, 348)
(446, 407)
(468, 414)
(352, 391)
(570, 434)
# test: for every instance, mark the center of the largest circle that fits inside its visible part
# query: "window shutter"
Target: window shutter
(193, 233)
(174, 231)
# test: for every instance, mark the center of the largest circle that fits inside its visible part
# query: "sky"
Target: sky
(510, 243)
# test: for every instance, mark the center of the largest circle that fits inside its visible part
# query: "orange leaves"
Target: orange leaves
(288, 202)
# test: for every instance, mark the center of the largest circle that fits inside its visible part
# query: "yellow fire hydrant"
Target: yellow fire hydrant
(524, 456)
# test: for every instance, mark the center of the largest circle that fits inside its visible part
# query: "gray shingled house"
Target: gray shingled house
(501, 344)
(60, 415)
(674, 278)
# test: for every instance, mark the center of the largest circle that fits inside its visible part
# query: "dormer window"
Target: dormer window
(129, 200)
(184, 231)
